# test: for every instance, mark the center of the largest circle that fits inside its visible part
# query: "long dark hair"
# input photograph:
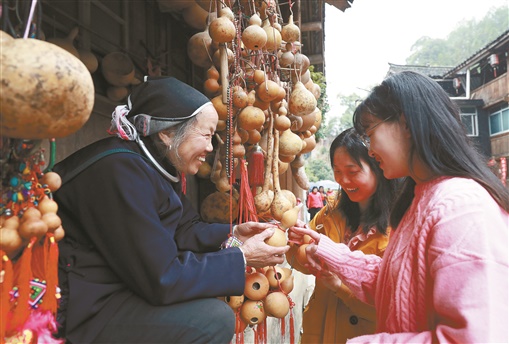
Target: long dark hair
(377, 213)
(438, 137)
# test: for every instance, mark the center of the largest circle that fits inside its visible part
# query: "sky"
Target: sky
(362, 41)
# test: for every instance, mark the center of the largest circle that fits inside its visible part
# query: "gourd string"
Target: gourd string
(29, 20)
(52, 155)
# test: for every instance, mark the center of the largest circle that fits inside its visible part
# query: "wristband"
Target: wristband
(232, 241)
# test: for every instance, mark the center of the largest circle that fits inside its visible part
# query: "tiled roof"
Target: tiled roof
(497, 43)
(340, 4)
(432, 72)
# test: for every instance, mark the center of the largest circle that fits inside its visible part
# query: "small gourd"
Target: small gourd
(275, 275)
(287, 284)
(290, 217)
(222, 30)
(252, 312)
(235, 302)
(256, 286)
(277, 305)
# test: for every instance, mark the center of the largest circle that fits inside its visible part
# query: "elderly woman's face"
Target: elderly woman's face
(198, 141)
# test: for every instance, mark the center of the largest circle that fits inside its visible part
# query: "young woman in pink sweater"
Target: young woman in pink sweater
(444, 274)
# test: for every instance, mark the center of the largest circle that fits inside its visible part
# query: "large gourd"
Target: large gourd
(46, 91)
(302, 102)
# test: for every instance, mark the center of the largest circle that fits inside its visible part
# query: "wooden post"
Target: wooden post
(223, 57)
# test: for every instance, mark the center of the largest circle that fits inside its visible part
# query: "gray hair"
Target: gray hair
(179, 134)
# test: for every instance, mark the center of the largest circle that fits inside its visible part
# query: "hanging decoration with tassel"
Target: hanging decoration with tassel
(29, 272)
(255, 167)
(247, 208)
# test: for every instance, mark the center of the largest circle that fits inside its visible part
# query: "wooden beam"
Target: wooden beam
(311, 26)
(315, 59)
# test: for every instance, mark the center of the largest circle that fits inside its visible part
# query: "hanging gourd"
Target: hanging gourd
(254, 37)
(290, 32)
(267, 91)
(222, 30)
(276, 305)
(47, 92)
(199, 49)
(273, 38)
(290, 217)
(252, 312)
(275, 275)
(256, 286)
(235, 302)
(301, 102)
(278, 239)
(250, 118)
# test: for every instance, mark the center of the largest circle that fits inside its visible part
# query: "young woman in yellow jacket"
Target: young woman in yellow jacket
(358, 218)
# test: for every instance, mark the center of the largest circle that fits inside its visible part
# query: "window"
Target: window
(499, 121)
(469, 118)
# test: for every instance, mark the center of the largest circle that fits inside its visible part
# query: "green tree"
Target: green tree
(468, 37)
(318, 169)
(322, 102)
(337, 124)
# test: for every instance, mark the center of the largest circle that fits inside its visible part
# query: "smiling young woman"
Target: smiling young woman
(359, 218)
(446, 263)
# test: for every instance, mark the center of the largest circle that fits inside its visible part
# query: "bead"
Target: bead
(14, 181)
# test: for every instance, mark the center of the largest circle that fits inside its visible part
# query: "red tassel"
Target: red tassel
(255, 336)
(5, 288)
(24, 270)
(50, 297)
(292, 330)
(282, 323)
(262, 332)
(247, 208)
(255, 166)
(184, 183)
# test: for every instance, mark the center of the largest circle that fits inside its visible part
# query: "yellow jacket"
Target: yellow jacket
(332, 317)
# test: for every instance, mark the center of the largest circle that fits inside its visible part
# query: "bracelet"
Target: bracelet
(232, 241)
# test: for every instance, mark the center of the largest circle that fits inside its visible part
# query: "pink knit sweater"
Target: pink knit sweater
(444, 275)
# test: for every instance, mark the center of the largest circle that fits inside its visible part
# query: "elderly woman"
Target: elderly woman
(137, 265)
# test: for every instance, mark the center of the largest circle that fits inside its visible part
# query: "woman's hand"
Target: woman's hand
(297, 232)
(246, 230)
(258, 254)
(330, 280)
(296, 235)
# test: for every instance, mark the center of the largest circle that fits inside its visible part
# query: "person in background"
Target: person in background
(444, 275)
(137, 265)
(330, 195)
(324, 195)
(359, 218)
(314, 202)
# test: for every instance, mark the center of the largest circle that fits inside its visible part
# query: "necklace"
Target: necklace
(165, 173)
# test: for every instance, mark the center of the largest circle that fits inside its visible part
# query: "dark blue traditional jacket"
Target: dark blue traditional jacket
(128, 230)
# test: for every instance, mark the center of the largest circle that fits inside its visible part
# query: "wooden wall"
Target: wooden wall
(136, 28)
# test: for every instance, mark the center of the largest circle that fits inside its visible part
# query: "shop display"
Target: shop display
(258, 80)
(47, 93)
